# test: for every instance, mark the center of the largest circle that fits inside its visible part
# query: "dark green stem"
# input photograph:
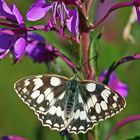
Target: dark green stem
(39, 133)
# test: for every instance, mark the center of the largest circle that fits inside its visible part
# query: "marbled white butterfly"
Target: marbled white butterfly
(69, 104)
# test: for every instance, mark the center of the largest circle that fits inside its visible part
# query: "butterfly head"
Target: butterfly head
(73, 83)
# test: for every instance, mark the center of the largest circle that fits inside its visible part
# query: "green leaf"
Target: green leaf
(135, 138)
(93, 50)
(82, 136)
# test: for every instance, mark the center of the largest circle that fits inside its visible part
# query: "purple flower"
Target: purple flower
(137, 6)
(68, 17)
(13, 39)
(13, 138)
(38, 50)
(115, 83)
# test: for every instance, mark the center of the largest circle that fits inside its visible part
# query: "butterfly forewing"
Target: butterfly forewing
(53, 97)
(39, 92)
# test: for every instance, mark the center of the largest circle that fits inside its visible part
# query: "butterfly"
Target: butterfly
(69, 104)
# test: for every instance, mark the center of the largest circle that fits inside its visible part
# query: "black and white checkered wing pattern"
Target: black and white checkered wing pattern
(96, 103)
(70, 104)
(44, 94)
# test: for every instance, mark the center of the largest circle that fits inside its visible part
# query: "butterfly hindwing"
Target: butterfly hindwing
(96, 103)
(38, 92)
(101, 101)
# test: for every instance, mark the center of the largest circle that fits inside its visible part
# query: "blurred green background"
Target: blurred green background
(17, 119)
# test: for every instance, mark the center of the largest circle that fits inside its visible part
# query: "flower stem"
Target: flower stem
(43, 27)
(39, 133)
(121, 124)
(85, 47)
(110, 10)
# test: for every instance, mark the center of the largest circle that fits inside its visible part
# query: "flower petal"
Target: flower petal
(6, 37)
(115, 83)
(38, 10)
(5, 10)
(137, 6)
(73, 22)
(40, 52)
(32, 36)
(18, 16)
(19, 48)
(13, 138)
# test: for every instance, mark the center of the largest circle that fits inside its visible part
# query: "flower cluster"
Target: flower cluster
(68, 17)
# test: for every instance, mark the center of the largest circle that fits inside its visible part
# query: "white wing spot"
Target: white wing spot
(38, 83)
(42, 117)
(62, 125)
(50, 97)
(81, 128)
(83, 115)
(77, 114)
(61, 96)
(54, 81)
(59, 111)
(114, 105)
(105, 94)
(26, 83)
(89, 103)
(52, 110)
(74, 128)
(29, 101)
(40, 98)
(91, 87)
(56, 125)
(49, 122)
(115, 98)
(80, 99)
(93, 117)
(103, 105)
(94, 99)
(25, 90)
(98, 108)
(41, 108)
(35, 94)
(47, 91)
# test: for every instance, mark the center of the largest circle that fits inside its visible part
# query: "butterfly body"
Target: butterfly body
(61, 103)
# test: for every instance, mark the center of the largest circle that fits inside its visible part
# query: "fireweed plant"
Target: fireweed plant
(70, 19)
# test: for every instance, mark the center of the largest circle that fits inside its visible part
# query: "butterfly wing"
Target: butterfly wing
(96, 103)
(44, 94)
(38, 92)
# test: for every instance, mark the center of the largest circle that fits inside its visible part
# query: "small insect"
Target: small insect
(69, 104)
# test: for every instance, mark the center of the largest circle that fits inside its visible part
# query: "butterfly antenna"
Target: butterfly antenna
(80, 67)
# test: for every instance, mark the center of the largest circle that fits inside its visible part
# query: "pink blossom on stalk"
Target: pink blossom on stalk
(68, 17)
(13, 138)
(38, 50)
(137, 6)
(115, 83)
(11, 39)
